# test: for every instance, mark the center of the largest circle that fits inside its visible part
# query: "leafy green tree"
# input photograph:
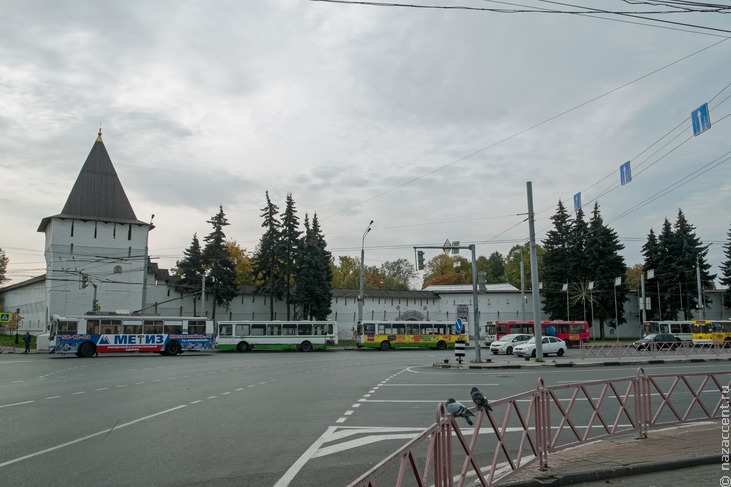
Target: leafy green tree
(725, 267)
(289, 242)
(493, 267)
(605, 264)
(3, 266)
(397, 274)
(218, 262)
(346, 275)
(267, 260)
(518, 253)
(242, 264)
(448, 270)
(633, 275)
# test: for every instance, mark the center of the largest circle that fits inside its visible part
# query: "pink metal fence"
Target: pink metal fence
(528, 427)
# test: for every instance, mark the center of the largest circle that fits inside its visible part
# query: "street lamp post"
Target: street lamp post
(362, 272)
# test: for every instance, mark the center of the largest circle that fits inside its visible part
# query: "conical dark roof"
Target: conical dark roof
(97, 194)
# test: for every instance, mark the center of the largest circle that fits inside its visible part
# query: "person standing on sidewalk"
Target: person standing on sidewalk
(27, 338)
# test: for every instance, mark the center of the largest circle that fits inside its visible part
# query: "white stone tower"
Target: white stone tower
(96, 247)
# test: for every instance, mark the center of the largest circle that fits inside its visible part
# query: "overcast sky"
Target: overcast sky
(427, 121)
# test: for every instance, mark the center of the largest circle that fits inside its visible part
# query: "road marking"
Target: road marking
(88, 437)
(53, 397)
(101, 389)
(341, 420)
(302, 460)
(77, 393)
(15, 404)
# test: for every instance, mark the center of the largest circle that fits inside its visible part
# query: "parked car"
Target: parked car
(507, 343)
(549, 345)
(658, 341)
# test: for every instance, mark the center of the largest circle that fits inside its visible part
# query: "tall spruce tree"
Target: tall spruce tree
(725, 267)
(289, 243)
(668, 273)
(605, 264)
(190, 269)
(323, 293)
(267, 259)
(218, 262)
(314, 285)
(557, 264)
(651, 252)
(692, 259)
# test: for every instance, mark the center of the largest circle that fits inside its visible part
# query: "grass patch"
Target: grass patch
(9, 341)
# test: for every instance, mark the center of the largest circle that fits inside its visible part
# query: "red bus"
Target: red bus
(572, 332)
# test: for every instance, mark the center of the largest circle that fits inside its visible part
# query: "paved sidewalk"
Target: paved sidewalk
(649, 461)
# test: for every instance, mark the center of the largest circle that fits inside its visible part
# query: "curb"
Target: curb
(438, 365)
(611, 473)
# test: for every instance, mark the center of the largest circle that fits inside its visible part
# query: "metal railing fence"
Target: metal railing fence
(528, 427)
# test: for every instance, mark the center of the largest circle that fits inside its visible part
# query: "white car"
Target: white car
(548, 345)
(507, 343)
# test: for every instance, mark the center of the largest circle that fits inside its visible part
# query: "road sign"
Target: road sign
(577, 202)
(625, 173)
(701, 119)
(458, 325)
(5, 317)
(447, 247)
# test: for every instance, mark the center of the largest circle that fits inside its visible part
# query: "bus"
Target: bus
(571, 332)
(305, 336)
(87, 335)
(681, 329)
(712, 332)
(385, 335)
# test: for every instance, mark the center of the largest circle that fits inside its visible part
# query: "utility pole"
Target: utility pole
(701, 305)
(362, 272)
(534, 275)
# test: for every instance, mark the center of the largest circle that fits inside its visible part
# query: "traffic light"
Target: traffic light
(420, 260)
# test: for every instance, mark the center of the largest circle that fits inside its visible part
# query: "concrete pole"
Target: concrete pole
(534, 275)
(362, 273)
(476, 307)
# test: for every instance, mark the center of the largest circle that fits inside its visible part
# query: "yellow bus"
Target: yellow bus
(712, 332)
(385, 335)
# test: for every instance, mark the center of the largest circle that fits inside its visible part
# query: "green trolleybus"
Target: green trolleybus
(244, 336)
(385, 335)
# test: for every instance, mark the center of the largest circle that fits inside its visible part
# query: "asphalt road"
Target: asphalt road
(256, 419)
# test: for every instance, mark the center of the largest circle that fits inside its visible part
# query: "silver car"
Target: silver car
(507, 343)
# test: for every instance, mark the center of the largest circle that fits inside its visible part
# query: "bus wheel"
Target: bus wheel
(306, 347)
(727, 343)
(86, 350)
(385, 345)
(242, 347)
(173, 348)
(441, 345)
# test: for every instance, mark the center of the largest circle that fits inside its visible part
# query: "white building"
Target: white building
(96, 257)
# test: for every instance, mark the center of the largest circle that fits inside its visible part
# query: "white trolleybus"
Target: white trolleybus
(244, 336)
(87, 335)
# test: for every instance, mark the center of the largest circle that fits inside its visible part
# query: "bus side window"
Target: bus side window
(225, 330)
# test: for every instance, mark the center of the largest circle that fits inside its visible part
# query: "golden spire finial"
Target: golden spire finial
(99, 138)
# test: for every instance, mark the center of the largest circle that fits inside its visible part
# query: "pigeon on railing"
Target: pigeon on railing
(480, 400)
(458, 409)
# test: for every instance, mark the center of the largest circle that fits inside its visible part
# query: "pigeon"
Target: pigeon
(457, 409)
(480, 400)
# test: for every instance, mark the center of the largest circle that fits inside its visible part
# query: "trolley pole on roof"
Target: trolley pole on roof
(534, 275)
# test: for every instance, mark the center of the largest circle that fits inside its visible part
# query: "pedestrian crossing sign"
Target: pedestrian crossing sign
(5, 317)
